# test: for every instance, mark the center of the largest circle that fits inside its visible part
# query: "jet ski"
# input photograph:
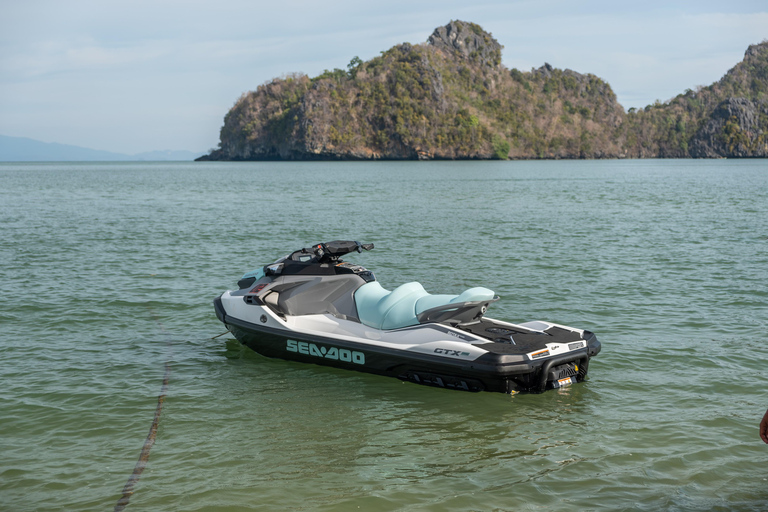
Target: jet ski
(313, 307)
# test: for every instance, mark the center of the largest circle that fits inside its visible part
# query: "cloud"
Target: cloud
(92, 56)
(46, 58)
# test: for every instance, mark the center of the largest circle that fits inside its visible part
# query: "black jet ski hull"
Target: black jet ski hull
(496, 372)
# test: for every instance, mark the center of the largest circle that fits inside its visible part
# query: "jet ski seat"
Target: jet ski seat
(407, 304)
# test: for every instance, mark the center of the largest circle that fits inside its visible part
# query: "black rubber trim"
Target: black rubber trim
(219, 308)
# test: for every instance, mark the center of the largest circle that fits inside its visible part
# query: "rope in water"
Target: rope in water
(144, 455)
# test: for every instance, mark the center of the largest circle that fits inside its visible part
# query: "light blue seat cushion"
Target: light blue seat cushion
(473, 294)
(382, 309)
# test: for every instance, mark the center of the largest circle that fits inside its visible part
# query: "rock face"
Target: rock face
(451, 98)
(737, 128)
(467, 41)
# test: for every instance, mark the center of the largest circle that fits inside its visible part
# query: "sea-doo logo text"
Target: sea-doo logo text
(337, 354)
(449, 352)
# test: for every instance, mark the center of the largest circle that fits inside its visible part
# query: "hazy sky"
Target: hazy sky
(133, 76)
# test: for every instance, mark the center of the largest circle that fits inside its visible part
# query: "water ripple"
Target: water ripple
(665, 260)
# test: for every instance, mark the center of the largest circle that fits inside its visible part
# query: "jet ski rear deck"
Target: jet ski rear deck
(312, 307)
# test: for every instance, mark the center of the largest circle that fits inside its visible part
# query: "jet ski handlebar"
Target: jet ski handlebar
(332, 251)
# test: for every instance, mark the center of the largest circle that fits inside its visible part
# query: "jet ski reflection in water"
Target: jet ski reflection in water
(311, 306)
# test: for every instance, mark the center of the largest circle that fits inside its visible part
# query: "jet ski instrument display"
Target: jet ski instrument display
(311, 306)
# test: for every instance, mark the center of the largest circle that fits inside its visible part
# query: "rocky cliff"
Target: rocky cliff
(737, 128)
(451, 98)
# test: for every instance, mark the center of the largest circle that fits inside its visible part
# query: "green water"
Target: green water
(107, 273)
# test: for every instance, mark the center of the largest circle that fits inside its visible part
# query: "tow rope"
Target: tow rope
(144, 455)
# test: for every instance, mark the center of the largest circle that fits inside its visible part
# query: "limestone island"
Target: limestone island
(451, 98)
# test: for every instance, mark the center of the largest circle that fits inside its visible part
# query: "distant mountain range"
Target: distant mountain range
(22, 149)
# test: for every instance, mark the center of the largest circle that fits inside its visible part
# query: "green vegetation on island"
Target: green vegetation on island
(451, 98)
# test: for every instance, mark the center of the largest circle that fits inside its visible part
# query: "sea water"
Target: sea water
(108, 271)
